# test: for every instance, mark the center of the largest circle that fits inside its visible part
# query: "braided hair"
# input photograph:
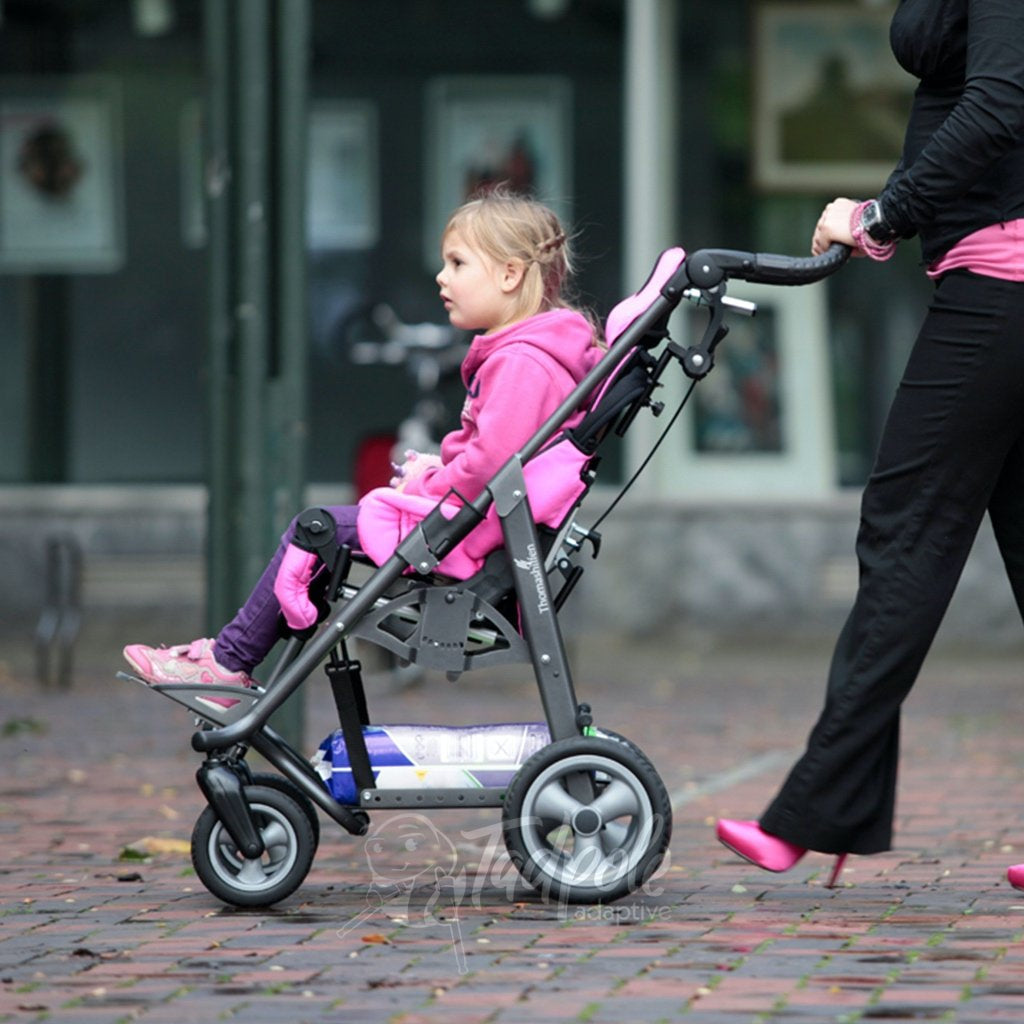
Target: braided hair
(507, 226)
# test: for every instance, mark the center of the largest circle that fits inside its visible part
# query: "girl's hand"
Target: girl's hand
(415, 465)
(834, 226)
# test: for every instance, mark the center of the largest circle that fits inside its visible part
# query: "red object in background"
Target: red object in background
(373, 463)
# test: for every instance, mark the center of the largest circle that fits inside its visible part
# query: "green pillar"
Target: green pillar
(256, 114)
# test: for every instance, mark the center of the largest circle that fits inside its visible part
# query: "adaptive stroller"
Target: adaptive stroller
(585, 816)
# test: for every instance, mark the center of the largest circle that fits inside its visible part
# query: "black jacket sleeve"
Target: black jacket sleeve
(952, 143)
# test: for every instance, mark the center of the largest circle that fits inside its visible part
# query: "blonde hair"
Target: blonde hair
(506, 226)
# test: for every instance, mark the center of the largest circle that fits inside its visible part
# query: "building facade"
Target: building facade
(646, 122)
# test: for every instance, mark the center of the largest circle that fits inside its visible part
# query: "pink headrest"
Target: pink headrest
(629, 309)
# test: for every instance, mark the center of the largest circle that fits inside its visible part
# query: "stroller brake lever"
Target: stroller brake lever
(578, 535)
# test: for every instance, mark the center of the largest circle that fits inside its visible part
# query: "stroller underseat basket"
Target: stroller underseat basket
(431, 756)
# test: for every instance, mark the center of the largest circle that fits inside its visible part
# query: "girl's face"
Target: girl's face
(478, 292)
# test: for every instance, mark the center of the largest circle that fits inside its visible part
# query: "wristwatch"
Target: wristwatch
(874, 225)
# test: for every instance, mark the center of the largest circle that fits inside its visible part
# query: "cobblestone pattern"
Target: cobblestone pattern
(929, 931)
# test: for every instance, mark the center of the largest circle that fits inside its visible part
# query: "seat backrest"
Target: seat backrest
(626, 312)
(629, 379)
(555, 477)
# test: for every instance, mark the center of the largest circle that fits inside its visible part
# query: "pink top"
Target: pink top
(995, 251)
(515, 379)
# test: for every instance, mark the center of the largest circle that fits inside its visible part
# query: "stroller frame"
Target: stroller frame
(585, 780)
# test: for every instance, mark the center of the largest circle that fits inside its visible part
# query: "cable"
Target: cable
(650, 455)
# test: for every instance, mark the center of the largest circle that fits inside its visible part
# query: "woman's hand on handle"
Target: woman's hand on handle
(834, 226)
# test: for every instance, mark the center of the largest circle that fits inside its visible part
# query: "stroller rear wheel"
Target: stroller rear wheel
(258, 882)
(593, 848)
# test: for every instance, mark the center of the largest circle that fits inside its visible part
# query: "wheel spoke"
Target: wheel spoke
(275, 835)
(613, 836)
(617, 799)
(252, 873)
(586, 860)
(553, 802)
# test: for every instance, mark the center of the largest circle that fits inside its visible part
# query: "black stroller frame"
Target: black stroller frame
(586, 818)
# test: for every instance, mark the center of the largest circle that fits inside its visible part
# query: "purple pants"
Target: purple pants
(248, 638)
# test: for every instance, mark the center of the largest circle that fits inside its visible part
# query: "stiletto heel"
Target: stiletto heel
(836, 869)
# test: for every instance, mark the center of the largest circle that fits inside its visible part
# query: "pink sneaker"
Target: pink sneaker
(185, 663)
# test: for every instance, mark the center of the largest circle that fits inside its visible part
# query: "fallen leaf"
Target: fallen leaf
(149, 845)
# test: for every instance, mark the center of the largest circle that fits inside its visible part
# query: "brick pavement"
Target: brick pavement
(929, 931)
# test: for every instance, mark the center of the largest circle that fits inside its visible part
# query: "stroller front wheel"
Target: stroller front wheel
(283, 785)
(587, 819)
(262, 881)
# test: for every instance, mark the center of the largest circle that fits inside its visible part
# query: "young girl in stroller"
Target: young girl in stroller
(506, 268)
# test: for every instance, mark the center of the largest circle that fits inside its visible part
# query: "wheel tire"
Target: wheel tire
(283, 785)
(611, 734)
(287, 834)
(593, 850)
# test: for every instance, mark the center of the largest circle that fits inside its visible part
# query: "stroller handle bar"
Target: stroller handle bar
(706, 268)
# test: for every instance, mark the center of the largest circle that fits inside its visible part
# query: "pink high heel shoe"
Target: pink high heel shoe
(753, 844)
(1015, 876)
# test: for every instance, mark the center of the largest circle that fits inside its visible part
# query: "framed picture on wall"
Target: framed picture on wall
(830, 102)
(760, 426)
(61, 199)
(342, 203)
(485, 130)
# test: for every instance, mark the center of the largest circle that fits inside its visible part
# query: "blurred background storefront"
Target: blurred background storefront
(131, 270)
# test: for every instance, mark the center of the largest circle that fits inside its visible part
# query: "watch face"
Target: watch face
(871, 221)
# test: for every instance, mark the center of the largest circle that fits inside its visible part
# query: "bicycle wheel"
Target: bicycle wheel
(265, 880)
(591, 849)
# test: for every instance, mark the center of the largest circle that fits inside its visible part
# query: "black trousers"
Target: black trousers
(953, 447)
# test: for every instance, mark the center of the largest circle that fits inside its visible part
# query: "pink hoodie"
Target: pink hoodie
(515, 379)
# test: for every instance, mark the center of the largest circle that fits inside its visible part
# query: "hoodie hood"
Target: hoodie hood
(563, 335)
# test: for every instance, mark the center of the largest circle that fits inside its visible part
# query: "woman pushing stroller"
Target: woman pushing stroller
(953, 445)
